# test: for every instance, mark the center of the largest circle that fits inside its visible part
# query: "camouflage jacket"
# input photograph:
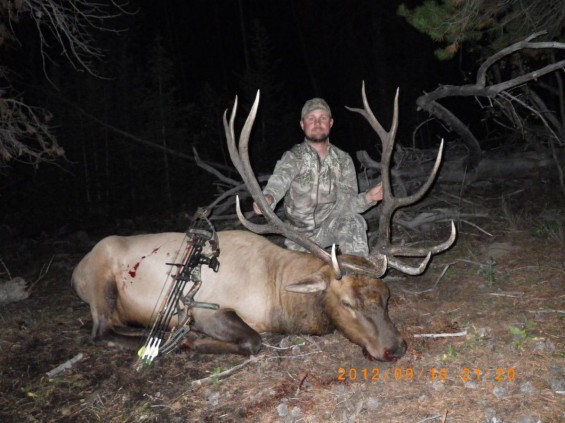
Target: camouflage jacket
(313, 190)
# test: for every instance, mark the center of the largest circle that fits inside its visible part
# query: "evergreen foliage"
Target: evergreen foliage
(484, 25)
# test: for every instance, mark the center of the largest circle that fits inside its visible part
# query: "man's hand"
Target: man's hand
(269, 201)
(375, 194)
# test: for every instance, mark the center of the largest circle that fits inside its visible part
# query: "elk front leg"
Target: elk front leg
(225, 332)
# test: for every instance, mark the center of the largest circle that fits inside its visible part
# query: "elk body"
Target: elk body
(260, 287)
(269, 289)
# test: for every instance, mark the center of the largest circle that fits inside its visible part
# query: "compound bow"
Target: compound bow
(175, 302)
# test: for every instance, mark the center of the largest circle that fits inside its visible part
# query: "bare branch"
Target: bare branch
(440, 335)
(211, 169)
(70, 25)
(210, 379)
(20, 123)
(66, 365)
(481, 88)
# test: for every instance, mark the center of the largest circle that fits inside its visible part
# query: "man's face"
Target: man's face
(316, 125)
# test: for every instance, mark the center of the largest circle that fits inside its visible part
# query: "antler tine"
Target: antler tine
(246, 171)
(230, 136)
(403, 251)
(387, 138)
(240, 159)
(410, 270)
(239, 155)
(253, 227)
(368, 114)
(394, 203)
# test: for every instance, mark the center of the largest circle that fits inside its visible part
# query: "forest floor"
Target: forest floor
(501, 289)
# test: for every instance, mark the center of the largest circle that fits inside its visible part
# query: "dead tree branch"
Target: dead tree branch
(64, 28)
(226, 198)
(211, 379)
(71, 24)
(516, 165)
(19, 122)
(481, 88)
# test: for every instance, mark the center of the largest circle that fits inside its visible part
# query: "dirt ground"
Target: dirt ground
(500, 290)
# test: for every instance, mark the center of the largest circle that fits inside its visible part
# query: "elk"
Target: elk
(260, 287)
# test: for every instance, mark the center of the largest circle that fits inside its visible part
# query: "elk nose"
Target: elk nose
(396, 353)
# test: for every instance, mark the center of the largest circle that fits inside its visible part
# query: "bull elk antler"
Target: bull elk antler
(391, 203)
(376, 264)
(240, 159)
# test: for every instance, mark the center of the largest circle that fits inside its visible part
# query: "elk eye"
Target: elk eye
(346, 304)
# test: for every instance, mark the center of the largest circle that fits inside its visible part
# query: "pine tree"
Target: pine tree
(485, 26)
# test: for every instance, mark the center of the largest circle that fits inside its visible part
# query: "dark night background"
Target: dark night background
(167, 80)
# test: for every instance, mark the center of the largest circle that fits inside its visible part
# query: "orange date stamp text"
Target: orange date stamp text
(410, 374)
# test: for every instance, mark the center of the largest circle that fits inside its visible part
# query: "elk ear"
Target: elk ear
(310, 284)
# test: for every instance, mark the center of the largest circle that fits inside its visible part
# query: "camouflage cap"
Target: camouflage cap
(315, 104)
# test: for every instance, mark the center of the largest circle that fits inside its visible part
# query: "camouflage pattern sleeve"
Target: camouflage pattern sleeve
(283, 174)
(349, 197)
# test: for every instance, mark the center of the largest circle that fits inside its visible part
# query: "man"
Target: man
(319, 186)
